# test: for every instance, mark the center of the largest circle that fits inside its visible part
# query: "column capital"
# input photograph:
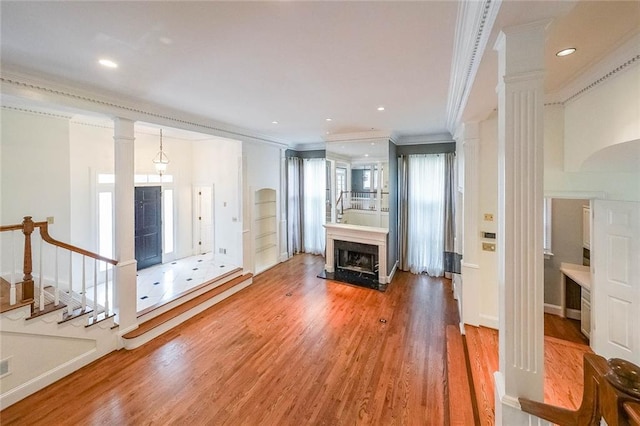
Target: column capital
(467, 131)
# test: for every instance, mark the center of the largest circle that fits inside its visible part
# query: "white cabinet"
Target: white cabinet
(265, 235)
(585, 312)
(586, 227)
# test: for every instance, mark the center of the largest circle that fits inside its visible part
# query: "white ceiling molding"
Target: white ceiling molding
(624, 57)
(473, 29)
(36, 111)
(424, 139)
(81, 100)
(308, 146)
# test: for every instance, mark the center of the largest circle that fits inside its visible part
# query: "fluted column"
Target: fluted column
(520, 198)
(124, 224)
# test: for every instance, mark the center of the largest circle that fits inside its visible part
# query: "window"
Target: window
(546, 224)
(168, 220)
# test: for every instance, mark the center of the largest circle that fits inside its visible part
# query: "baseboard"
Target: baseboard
(22, 391)
(553, 309)
(489, 321)
(393, 272)
(574, 314)
(283, 257)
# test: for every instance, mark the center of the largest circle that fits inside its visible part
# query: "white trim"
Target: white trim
(573, 314)
(174, 322)
(23, 390)
(393, 272)
(553, 309)
(469, 265)
(576, 195)
(489, 321)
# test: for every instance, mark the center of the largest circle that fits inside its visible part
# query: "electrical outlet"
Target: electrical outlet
(50, 220)
(222, 251)
(488, 247)
(488, 217)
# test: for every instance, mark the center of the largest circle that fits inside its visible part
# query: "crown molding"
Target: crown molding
(424, 139)
(474, 23)
(359, 136)
(41, 91)
(313, 146)
(624, 57)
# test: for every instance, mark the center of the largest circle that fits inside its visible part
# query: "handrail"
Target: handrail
(609, 393)
(44, 232)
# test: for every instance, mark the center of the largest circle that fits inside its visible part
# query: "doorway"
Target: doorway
(148, 226)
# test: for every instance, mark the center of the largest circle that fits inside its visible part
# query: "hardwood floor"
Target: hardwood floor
(292, 349)
(563, 367)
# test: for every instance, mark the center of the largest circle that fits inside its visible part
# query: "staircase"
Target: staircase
(60, 317)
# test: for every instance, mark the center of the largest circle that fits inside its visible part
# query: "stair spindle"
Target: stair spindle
(84, 285)
(40, 282)
(12, 290)
(106, 289)
(57, 289)
(70, 281)
(95, 291)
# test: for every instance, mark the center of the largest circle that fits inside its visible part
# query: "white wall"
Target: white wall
(261, 166)
(35, 170)
(35, 181)
(603, 119)
(488, 203)
(218, 161)
(606, 115)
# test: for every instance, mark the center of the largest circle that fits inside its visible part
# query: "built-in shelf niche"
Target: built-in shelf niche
(265, 231)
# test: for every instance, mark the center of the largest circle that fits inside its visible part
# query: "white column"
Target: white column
(125, 272)
(470, 267)
(519, 240)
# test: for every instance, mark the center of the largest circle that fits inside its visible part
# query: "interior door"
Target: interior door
(615, 254)
(148, 226)
(203, 196)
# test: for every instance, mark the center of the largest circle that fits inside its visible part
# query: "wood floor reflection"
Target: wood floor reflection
(291, 349)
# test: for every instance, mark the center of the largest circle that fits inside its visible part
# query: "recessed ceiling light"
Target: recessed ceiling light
(328, 119)
(373, 143)
(274, 122)
(566, 52)
(366, 155)
(380, 108)
(108, 63)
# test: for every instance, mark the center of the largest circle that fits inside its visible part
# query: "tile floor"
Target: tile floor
(160, 283)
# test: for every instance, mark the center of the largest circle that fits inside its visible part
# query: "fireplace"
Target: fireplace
(356, 263)
(368, 267)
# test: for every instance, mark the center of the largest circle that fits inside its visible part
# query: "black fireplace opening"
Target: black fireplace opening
(356, 263)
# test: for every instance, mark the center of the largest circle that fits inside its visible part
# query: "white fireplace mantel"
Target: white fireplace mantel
(358, 234)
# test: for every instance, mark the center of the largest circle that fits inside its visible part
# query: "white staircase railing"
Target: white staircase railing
(83, 281)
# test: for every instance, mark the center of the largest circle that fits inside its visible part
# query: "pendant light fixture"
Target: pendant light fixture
(160, 161)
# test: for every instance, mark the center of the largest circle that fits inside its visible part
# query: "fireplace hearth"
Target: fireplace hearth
(356, 263)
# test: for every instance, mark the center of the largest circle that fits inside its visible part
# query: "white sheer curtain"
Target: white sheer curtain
(313, 208)
(294, 212)
(425, 214)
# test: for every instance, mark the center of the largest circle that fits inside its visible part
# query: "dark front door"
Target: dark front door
(148, 231)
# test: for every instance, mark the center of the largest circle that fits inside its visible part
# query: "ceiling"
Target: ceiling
(249, 64)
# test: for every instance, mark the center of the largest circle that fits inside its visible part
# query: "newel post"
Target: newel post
(27, 280)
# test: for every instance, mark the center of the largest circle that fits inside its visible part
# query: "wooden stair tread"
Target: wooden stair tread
(460, 400)
(184, 307)
(49, 307)
(5, 289)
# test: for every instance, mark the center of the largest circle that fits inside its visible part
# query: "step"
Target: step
(166, 321)
(460, 400)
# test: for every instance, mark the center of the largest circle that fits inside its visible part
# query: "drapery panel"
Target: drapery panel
(294, 205)
(427, 211)
(305, 205)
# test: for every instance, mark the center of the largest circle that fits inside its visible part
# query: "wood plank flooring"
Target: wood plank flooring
(291, 349)
(563, 369)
